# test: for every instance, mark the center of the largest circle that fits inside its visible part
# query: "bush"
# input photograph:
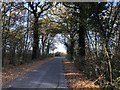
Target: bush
(117, 83)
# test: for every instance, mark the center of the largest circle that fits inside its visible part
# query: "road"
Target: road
(46, 76)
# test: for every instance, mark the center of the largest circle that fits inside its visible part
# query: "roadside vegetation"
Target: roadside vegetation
(76, 79)
(93, 41)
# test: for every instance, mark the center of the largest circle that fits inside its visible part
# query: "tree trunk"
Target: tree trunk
(35, 39)
(72, 48)
(12, 56)
(107, 52)
(81, 34)
(43, 45)
(25, 55)
(48, 48)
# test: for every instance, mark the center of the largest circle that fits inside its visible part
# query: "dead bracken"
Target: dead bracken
(77, 80)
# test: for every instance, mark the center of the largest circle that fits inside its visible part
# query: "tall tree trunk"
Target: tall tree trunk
(36, 39)
(26, 39)
(12, 56)
(81, 34)
(72, 44)
(48, 48)
(5, 34)
(107, 52)
(3, 39)
(43, 45)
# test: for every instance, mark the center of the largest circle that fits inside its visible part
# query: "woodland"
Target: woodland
(90, 32)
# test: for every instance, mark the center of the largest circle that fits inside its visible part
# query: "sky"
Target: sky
(60, 48)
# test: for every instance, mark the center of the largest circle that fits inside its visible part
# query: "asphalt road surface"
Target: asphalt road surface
(47, 76)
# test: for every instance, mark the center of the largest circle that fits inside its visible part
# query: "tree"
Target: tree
(106, 21)
(37, 14)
